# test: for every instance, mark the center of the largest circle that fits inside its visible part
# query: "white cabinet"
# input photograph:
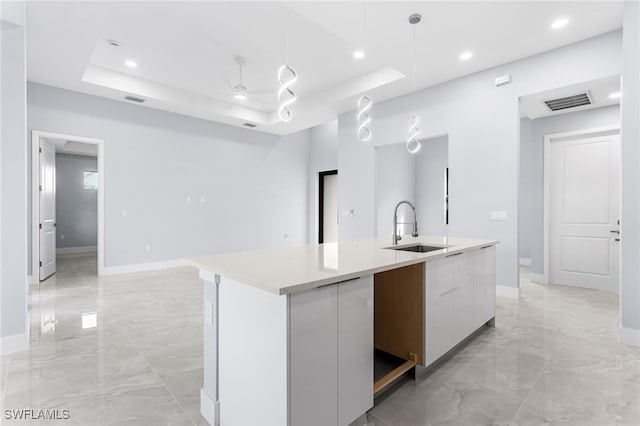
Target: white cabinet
(313, 346)
(331, 353)
(484, 267)
(355, 349)
(464, 297)
(459, 298)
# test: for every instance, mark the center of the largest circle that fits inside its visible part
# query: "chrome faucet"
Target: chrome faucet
(396, 236)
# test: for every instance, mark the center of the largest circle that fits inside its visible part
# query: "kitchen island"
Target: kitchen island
(290, 333)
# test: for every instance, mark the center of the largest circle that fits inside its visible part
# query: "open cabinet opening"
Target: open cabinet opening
(398, 325)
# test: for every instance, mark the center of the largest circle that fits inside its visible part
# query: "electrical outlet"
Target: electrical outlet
(202, 199)
(188, 199)
(147, 248)
(62, 236)
(125, 213)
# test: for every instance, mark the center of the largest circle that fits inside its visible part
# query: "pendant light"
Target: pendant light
(287, 76)
(413, 144)
(364, 103)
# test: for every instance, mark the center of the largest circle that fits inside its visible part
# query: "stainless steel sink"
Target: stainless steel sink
(418, 248)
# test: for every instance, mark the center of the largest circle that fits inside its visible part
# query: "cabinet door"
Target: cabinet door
(464, 296)
(313, 360)
(485, 284)
(355, 349)
(439, 304)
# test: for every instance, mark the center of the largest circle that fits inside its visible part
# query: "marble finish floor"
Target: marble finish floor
(127, 350)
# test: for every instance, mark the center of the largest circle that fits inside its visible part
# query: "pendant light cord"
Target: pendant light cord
(286, 33)
(414, 69)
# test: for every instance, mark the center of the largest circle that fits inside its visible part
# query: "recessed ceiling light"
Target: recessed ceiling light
(560, 23)
(465, 56)
(358, 54)
(615, 95)
(130, 64)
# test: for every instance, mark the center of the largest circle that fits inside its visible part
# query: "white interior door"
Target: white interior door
(584, 212)
(47, 209)
(330, 209)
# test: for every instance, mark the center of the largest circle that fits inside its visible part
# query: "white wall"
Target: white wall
(395, 180)
(532, 171)
(431, 161)
(76, 207)
(13, 191)
(323, 156)
(630, 225)
(482, 123)
(525, 190)
(254, 185)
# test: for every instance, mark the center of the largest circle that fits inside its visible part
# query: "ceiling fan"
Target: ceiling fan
(240, 91)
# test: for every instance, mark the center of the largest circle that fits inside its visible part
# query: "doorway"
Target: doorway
(67, 201)
(582, 208)
(328, 207)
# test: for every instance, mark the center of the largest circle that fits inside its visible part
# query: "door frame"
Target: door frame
(321, 176)
(36, 135)
(548, 140)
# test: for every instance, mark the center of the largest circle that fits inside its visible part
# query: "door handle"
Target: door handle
(615, 231)
(616, 239)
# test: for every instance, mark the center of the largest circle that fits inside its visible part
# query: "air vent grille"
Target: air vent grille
(567, 102)
(134, 99)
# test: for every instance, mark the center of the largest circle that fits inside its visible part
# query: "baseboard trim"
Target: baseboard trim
(510, 292)
(70, 251)
(525, 261)
(143, 267)
(629, 336)
(209, 409)
(538, 278)
(14, 343)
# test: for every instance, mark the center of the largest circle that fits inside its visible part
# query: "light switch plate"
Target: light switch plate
(498, 216)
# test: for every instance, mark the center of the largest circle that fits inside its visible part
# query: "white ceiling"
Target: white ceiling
(76, 148)
(186, 51)
(532, 106)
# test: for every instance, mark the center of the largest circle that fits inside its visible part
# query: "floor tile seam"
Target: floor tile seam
(155, 373)
(528, 392)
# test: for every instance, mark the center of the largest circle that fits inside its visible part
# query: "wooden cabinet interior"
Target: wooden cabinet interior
(398, 312)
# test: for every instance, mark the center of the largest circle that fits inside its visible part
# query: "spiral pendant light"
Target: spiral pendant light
(364, 103)
(413, 143)
(287, 76)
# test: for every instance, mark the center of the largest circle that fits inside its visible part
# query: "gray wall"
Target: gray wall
(254, 185)
(76, 207)
(525, 190)
(13, 190)
(323, 156)
(532, 171)
(630, 215)
(395, 180)
(431, 160)
(482, 122)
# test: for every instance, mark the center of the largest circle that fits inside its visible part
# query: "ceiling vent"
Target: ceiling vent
(134, 99)
(573, 101)
(249, 125)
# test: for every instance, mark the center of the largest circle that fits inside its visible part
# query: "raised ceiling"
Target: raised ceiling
(185, 51)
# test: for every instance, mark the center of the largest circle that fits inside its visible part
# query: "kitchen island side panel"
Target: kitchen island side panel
(253, 356)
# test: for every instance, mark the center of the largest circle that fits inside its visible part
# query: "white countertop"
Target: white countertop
(292, 269)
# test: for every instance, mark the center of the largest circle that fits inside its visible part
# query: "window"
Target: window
(90, 180)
